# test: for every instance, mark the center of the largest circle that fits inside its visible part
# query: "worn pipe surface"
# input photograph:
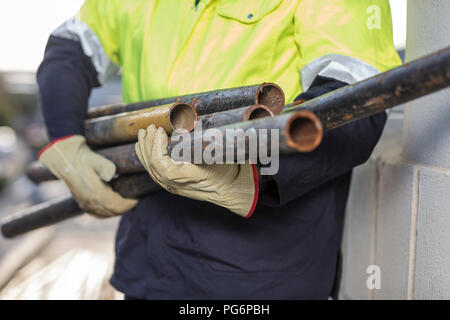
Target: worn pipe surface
(125, 158)
(383, 91)
(124, 127)
(268, 94)
(223, 118)
(65, 207)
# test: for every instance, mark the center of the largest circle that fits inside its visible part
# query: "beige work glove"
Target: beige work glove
(85, 173)
(231, 186)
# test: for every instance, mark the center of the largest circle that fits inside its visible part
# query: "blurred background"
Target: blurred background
(72, 260)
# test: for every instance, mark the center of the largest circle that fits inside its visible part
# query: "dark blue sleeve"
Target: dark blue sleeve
(341, 150)
(65, 77)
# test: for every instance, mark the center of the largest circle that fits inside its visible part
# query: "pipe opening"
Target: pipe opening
(257, 112)
(271, 95)
(304, 131)
(183, 116)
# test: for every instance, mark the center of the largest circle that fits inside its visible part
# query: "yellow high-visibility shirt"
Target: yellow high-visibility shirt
(171, 47)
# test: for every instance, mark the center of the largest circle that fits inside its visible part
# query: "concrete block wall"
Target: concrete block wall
(398, 214)
(432, 262)
(359, 232)
(393, 224)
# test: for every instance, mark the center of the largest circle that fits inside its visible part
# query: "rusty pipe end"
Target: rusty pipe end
(257, 111)
(182, 116)
(304, 131)
(272, 96)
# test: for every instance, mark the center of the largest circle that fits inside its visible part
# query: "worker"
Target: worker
(222, 231)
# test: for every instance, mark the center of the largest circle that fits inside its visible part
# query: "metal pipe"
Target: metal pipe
(223, 118)
(257, 111)
(124, 127)
(268, 94)
(37, 172)
(125, 158)
(65, 207)
(304, 131)
(40, 215)
(383, 91)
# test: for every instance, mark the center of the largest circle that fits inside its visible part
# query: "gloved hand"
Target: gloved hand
(231, 186)
(84, 172)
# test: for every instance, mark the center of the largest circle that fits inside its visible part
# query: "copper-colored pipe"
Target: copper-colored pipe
(271, 96)
(304, 131)
(223, 118)
(124, 127)
(256, 112)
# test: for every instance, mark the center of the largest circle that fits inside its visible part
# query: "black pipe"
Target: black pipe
(268, 94)
(65, 207)
(383, 91)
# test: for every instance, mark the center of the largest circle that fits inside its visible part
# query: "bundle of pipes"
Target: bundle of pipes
(124, 156)
(114, 125)
(300, 126)
(118, 124)
(301, 123)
